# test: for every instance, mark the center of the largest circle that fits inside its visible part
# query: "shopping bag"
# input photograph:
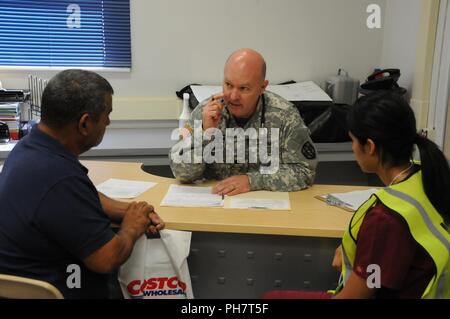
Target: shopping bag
(158, 268)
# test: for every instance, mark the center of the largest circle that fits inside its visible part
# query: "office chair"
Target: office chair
(15, 287)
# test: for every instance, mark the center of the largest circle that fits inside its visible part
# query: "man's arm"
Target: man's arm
(137, 219)
(289, 178)
(298, 160)
(113, 208)
(182, 156)
(71, 215)
(182, 161)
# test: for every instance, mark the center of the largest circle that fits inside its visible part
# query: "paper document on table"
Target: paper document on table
(302, 91)
(259, 200)
(1, 167)
(349, 201)
(191, 196)
(203, 92)
(121, 188)
(7, 147)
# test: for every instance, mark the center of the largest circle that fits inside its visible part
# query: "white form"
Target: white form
(259, 200)
(1, 167)
(258, 203)
(191, 196)
(122, 188)
(302, 91)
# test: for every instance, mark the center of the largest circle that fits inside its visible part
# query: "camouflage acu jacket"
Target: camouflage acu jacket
(296, 153)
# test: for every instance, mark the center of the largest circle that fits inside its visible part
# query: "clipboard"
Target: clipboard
(349, 201)
(333, 201)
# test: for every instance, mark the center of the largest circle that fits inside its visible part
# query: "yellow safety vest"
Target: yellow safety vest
(426, 225)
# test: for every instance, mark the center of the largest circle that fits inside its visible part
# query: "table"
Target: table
(242, 253)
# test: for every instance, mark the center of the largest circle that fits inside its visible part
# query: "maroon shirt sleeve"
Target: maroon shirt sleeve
(384, 239)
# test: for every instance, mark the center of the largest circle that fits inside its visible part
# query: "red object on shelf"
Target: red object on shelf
(14, 135)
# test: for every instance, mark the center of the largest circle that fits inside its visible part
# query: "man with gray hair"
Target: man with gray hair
(245, 110)
(52, 219)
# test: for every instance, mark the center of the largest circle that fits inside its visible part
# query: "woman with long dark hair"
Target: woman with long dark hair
(397, 244)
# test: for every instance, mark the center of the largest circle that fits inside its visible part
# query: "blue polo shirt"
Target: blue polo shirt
(50, 217)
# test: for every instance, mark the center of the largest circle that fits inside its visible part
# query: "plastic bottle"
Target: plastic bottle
(186, 112)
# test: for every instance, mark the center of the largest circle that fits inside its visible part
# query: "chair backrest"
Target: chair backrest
(15, 287)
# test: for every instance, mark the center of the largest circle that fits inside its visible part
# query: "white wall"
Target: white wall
(401, 28)
(176, 42)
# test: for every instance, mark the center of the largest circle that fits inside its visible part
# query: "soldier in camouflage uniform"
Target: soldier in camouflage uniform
(245, 104)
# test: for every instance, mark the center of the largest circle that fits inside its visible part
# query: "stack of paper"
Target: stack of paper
(191, 196)
(260, 200)
(122, 188)
(303, 91)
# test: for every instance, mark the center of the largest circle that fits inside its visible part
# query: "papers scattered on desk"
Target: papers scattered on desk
(121, 188)
(349, 201)
(190, 196)
(258, 203)
(302, 91)
(259, 200)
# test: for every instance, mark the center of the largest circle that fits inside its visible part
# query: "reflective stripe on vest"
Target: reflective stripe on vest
(424, 223)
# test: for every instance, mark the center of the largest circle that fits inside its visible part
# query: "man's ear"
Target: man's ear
(370, 147)
(264, 86)
(84, 124)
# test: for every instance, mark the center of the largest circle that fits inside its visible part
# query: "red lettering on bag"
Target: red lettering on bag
(135, 287)
(162, 281)
(172, 282)
(182, 285)
(132, 289)
(151, 284)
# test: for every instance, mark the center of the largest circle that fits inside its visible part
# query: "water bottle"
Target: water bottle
(185, 113)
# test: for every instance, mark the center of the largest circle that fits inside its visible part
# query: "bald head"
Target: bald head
(244, 82)
(248, 59)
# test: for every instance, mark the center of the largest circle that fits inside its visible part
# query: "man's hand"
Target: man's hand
(233, 185)
(337, 260)
(137, 219)
(212, 112)
(156, 223)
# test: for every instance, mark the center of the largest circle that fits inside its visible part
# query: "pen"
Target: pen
(221, 101)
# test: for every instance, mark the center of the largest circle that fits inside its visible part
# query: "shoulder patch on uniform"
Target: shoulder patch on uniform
(308, 150)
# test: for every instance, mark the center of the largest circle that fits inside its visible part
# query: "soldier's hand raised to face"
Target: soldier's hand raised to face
(212, 112)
